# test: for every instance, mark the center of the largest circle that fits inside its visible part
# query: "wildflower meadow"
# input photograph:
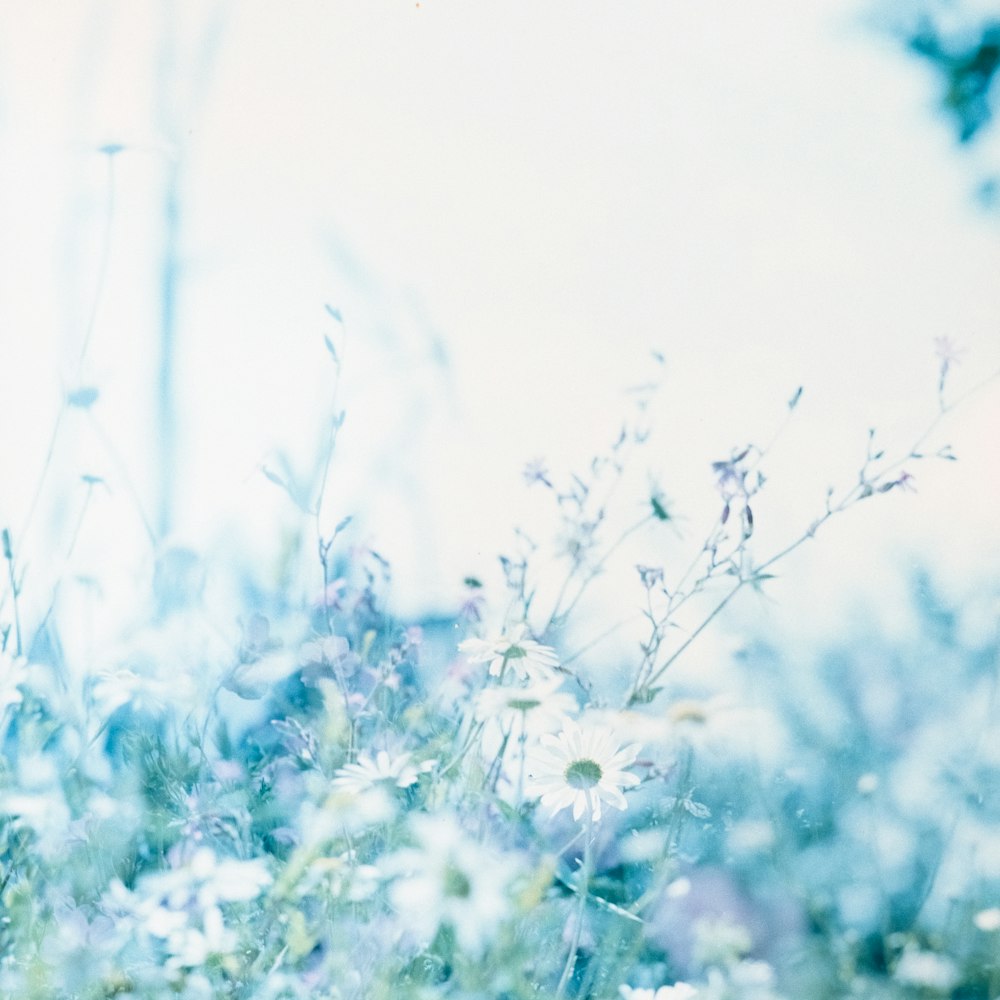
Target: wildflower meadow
(277, 747)
(327, 802)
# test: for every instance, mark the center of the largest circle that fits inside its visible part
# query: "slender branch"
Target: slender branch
(594, 572)
(657, 674)
(582, 890)
(865, 487)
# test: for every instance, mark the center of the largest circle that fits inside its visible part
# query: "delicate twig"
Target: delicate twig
(866, 486)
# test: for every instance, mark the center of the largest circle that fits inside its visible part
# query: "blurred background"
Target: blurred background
(502, 218)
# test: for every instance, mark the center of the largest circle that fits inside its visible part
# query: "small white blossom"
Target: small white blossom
(927, 970)
(342, 877)
(535, 708)
(988, 920)
(530, 659)
(868, 783)
(679, 991)
(181, 906)
(720, 941)
(581, 767)
(450, 880)
(381, 770)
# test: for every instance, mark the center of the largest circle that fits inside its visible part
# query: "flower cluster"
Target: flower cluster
(326, 803)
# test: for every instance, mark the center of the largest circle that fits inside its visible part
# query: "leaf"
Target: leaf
(508, 811)
(335, 313)
(615, 909)
(83, 398)
(342, 523)
(659, 510)
(793, 402)
(645, 695)
(473, 583)
(275, 478)
(292, 494)
(697, 809)
(331, 349)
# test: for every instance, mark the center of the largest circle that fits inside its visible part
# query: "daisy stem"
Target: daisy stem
(474, 731)
(493, 775)
(522, 741)
(582, 886)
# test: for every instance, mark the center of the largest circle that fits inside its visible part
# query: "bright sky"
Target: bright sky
(511, 204)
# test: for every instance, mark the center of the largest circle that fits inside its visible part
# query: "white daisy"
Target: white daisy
(535, 708)
(679, 991)
(530, 659)
(381, 771)
(581, 767)
(927, 970)
(450, 880)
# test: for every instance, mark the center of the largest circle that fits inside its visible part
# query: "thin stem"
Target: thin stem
(74, 538)
(102, 276)
(583, 883)
(8, 554)
(652, 679)
(677, 817)
(474, 732)
(587, 647)
(493, 775)
(594, 571)
(522, 746)
(102, 269)
(862, 489)
(125, 477)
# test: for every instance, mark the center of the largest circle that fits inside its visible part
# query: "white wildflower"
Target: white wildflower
(720, 941)
(581, 767)
(868, 783)
(206, 881)
(927, 970)
(450, 880)
(752, 978)
(679, 991)
(182, 906)
(380, 771)
(342, 877)
(988, 920)
(530, 659)
(115, 688)
(533, 709)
